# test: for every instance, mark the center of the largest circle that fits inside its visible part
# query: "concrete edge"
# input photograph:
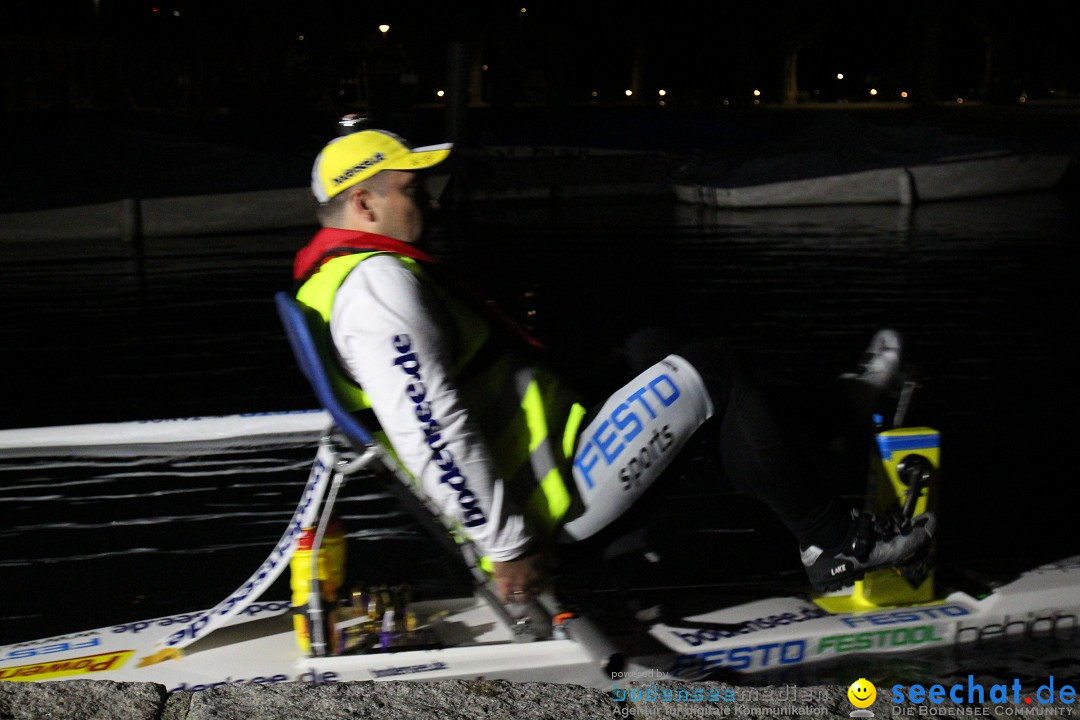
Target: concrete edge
(661, 698)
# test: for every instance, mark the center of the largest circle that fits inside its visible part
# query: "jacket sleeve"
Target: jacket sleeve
(392, 336)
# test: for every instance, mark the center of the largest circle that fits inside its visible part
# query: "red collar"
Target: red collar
(329, 243)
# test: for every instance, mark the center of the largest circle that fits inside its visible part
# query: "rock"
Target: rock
(81, 700)
(402, 700)
(487, 700)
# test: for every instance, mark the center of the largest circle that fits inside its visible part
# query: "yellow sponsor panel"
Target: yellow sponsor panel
(63, 668)
(887, 491)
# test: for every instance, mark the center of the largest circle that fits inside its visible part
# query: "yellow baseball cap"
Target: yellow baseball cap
(347, 160)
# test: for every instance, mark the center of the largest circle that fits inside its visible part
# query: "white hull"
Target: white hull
(766, 634)
(1042, 601)
(949, 179)
(260, 647)
(473, 640)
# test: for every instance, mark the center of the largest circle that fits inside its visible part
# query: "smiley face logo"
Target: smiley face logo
(862, 693)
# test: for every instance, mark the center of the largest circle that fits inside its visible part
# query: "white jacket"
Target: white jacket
(388, 328)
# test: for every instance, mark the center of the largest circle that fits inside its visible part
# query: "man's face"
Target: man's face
(400, 211)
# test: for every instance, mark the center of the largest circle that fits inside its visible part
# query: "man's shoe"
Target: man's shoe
(873, 542)
(879, 365)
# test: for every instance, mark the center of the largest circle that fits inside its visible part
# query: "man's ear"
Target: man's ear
(360, 203)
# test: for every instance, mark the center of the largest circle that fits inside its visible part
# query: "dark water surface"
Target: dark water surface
(983, 292)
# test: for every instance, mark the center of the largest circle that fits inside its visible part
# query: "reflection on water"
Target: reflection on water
(982, 291)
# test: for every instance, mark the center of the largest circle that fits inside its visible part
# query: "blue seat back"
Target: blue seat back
(301, 327)
(307, 334)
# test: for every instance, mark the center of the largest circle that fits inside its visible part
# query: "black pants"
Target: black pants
(757, 452)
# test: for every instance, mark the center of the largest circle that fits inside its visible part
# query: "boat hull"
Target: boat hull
(260, 647)
(948, 179)
(772, 633)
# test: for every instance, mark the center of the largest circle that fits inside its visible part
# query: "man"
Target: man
(501, 444)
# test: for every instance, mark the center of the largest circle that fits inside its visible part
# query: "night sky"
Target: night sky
(204, 54)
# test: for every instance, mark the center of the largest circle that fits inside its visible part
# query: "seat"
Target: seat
(298, 320)
(306, 333)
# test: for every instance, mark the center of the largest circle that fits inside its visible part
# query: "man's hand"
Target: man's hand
(523, 579)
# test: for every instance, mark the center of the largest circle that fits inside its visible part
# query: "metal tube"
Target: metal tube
(315, 609)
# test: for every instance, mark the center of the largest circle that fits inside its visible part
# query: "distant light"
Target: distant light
(839, 76)
(440, 93)
(176, 13)
(154, 10)
(523, 11)
(484, 67)
(903, 94)
(662, 103)
(663, 93)
(959, 101)
(757, 93)
(301, 37)
(593, 93)
(1023, 98)
(873, 91)
(384, 28)
(628, 92)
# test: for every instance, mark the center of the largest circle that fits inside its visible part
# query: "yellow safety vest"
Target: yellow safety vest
(528, 417)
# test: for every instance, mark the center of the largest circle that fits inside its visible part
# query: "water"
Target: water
(982, 291)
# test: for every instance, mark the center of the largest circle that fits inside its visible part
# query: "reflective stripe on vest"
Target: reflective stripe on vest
(529, 408)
